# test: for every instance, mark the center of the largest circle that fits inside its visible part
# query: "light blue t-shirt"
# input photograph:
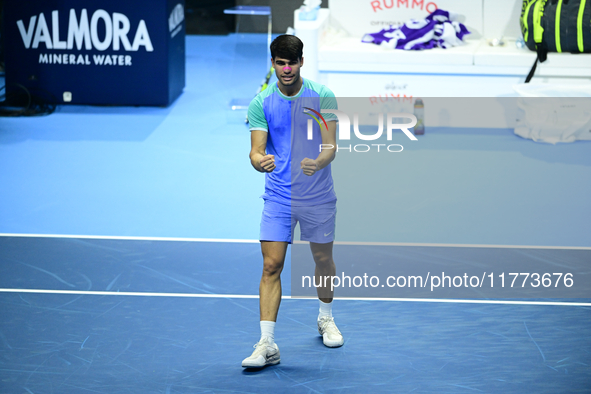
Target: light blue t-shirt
(286, 119)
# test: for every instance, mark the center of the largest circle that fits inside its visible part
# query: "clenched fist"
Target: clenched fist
(268, 163)
(309, 166)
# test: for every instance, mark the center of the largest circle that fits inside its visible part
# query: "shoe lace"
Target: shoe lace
(327, 324)
(260, 343)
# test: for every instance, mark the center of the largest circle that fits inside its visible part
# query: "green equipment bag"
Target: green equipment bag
(556, 26)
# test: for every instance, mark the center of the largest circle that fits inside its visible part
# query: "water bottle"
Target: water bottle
(520, 43)
(419, 112)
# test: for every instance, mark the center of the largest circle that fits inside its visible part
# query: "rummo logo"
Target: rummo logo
(344, 131)
(83, 34)
(428, 6)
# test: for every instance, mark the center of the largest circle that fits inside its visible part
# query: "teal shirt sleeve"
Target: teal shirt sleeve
(328, 101)
(256, 115)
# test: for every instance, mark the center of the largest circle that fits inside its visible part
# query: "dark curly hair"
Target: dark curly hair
(288, 47)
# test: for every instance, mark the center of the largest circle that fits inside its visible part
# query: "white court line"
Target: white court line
(130, 238)
(457, 245)
(126, 293)
(250, 296)
(133, 238)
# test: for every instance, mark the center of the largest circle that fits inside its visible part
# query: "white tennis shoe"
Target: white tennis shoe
(264, 354)
(331, 336)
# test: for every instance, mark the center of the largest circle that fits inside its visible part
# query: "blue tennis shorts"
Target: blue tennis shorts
(317, 223)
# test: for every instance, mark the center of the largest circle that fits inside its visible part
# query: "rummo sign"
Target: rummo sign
(381, 5)
(359, 17)
(112, 52)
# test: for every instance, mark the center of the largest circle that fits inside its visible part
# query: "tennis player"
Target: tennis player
(298, 187)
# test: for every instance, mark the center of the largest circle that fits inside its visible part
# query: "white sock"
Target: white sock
(325, 309)
(268, 330)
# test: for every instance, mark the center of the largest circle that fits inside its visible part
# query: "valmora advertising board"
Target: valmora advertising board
(110, 52)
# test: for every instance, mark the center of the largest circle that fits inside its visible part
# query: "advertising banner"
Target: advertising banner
(108, 53)
(368, 16)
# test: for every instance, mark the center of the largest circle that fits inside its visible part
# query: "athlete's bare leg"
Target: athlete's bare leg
(325, 267)
(270, 287)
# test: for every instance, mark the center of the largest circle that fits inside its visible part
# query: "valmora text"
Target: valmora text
(84, 33)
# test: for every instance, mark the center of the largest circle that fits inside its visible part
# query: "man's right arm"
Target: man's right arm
(261, 161)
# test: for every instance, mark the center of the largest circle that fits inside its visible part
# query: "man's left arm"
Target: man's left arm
(327, 153)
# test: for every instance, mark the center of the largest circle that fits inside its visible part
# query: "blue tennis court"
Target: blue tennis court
(130, 261)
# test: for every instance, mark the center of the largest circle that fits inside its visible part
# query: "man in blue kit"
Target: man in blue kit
(290, 149)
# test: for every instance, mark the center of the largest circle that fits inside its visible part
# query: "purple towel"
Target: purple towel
(437, 30)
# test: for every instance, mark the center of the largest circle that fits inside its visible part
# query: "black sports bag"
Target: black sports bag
(556, 26)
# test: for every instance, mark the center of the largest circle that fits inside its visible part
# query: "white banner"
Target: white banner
(358, 17)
